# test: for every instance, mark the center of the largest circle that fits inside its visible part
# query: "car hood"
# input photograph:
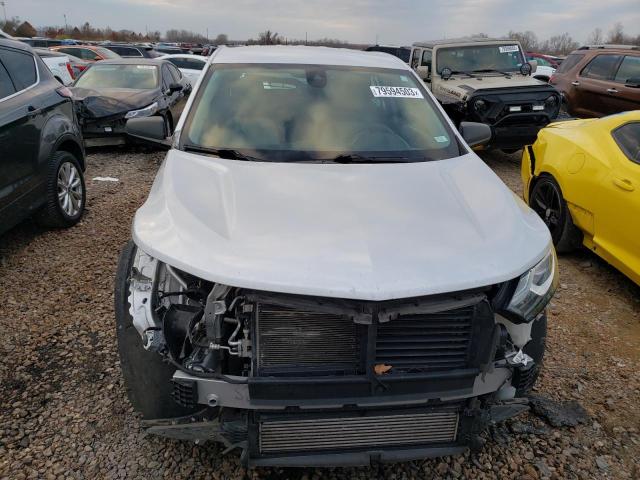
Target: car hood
(462, 88)
(110, 102)
(360, 231)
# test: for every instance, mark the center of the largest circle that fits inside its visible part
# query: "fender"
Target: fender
(58, 129)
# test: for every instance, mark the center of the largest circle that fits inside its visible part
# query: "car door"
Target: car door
(618, 207)
(178, 99)
(625, 94)
(20, 124)
(592, 87)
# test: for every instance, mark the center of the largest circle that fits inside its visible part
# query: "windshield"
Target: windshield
(139, 77)
(300, 112)
(503, 58)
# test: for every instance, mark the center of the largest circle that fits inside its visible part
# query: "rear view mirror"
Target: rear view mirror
(423, 72)
(475, 134)
(149, 129)
(633, 82)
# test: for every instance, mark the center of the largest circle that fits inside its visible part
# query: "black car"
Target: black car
(133, 51)
(41, 154)
(112, 91)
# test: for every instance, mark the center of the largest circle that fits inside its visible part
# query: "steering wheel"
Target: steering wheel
(384, 136)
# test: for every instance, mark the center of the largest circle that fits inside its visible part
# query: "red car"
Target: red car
(552, 61)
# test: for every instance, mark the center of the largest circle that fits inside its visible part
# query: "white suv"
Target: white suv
(324, 273)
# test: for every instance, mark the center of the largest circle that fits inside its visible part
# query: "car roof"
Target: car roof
(473, 40)
(183, 55)
(133, 61)
(304, 55)
(5, 42)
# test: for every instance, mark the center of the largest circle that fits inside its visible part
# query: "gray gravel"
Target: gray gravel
(64, 413)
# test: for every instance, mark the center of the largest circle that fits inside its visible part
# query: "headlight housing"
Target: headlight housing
(535, 289)
(143, 112)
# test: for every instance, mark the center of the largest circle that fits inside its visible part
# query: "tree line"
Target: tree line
(560, 44)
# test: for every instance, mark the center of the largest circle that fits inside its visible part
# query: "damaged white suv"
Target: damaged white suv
(324, 273)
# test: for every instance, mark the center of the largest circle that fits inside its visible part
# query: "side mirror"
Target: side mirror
(475, 134)
(149, 129)
(633, 82)
(446, 73)
(534, 65)
(423, 72)
(175, 87)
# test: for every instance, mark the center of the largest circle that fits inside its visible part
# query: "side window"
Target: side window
(87, 54)
(175, 73)
(6, 85)
(569, 62)
(131, 52)
(601, 67)
(166, 78)
(629, 68)
(179, 62)
(20, 66)
(415, 58)
(426, 58)
(628, 139)
(194, 64)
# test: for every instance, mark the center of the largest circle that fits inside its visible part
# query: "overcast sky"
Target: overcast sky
(392, 21)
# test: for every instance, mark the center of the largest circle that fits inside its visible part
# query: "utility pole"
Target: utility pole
(207, 35)
(306, 38)
(65, 23)
(4, 9)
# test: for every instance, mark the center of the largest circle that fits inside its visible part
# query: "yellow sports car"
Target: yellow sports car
(583, 178)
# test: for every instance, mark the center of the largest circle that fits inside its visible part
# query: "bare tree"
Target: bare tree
(595, 37)
(559, 44)
(10, 26)
(26, 30)
(269, 38)
(528, 40)
(221, 39)
(616, 34)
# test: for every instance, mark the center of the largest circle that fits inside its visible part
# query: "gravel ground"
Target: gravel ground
(64, 414)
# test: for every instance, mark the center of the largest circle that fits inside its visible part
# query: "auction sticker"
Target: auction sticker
(398, 92)
(508, 48)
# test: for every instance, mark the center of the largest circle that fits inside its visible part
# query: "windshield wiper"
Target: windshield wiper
(492, 70)
(356, 158)
(458, 72)
(227, 153)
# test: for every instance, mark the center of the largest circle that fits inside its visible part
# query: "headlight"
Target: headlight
(480, 105)
(535, 289)
(143, 112)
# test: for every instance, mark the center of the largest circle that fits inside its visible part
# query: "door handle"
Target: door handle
(612, 90)
(575, 83)
(624, 184)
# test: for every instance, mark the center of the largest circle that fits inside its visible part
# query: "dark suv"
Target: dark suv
(133, 51)
(41, 154)
(600, 80)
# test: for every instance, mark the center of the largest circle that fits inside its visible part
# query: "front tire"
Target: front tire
(66, 194)
(147, 377)
(547, 201)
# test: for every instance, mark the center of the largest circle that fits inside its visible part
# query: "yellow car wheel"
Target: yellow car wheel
(547, 201)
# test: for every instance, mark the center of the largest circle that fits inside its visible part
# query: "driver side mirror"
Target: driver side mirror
(633, 82)
(423, 72)
(175, 87)
(149, 129)
(475, 134)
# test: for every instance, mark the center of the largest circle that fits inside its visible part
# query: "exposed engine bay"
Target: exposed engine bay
(265, 372)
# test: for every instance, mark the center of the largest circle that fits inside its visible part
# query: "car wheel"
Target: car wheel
(66, 195)
(547, 201)
(147, 378)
